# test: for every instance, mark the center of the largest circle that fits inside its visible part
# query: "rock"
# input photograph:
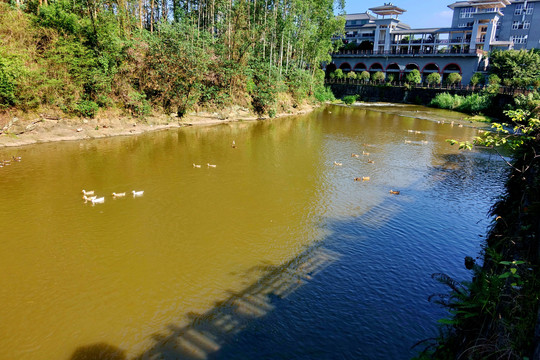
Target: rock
(31, 127)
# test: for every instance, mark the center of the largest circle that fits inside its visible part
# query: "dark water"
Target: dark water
(277, 253)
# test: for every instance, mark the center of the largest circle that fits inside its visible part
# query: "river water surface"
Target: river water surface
(275, 253)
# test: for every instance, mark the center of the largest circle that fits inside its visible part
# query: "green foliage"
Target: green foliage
(433, 78)
(323, 94)
(471, 104)
(478, 78)
(475, 103)
(364, 76)
(447, 101)
(515, 67)
(86, 108)
(493, 79)
(453, 79)
(414, 77)
(10, 70)
(378, 77)
(529, 103)
(352, 75)
(391, 78)
(339, 74)
(350, 99)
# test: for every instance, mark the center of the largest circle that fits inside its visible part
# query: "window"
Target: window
(526, 24)
(519, 9)
(498, 25)
(462, 25)
(467, 12)
(529, 9)
(515, 25)
(519, 39)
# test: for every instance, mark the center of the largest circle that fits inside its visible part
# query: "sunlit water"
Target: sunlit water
(274, 253)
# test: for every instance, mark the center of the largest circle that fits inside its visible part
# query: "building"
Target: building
(384, 43)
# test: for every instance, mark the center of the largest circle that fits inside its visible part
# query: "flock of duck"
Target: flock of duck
(89, 196)
(10, 161)
(369, 161)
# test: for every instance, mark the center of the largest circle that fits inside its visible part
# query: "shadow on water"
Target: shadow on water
(208, 332)
(100, 351)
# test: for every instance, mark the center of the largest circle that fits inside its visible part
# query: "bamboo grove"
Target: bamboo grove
(172, 55)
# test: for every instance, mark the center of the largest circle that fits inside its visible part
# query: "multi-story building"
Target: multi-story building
(478, 26)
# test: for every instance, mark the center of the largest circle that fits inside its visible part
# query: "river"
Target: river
(274, 253)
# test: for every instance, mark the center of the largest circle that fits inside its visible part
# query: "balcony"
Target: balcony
(404, 53)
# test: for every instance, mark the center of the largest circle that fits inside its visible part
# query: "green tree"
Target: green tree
(339, 74)
(477, 78)
(519, 67)
(378, 77)
(433, 78)
(414, 77)
(453, 79)
(364, 76)
(352, 75)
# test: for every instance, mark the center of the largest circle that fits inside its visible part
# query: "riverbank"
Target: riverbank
(51, 127)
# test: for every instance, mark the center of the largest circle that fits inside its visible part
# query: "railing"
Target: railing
(409, 52)
(506, 90)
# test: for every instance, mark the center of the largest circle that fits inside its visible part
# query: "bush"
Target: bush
(7, 83)
(352, 75)
(494, 79)
(323, 94)
(478, 78)
(349, 99)
(86, 108)
(390, 78)
(378, 77)
(433, 79)
(339, 74)
(364, 76)
(475, 103)
(453, 79)
(446, 101)
(414, 77)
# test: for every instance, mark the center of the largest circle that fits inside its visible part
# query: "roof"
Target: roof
(387, 9)
(359, 16)
(482, 4)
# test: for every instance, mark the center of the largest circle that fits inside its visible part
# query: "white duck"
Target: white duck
(210, 165)
(137, 193)
(86, 193)
(118, 194)
(196, 166)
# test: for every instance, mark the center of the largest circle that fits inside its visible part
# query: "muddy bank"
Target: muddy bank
(49, 127)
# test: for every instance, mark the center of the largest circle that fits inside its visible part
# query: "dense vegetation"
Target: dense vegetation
(171, 56)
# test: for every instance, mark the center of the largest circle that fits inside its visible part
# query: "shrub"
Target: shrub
(352, 75)
(446, 101)
(478, 78)
(378, 77)
(453, 79)
(349, 99)
(86, 108)
(323, 94)
(7, 84)
(433, 78)
(475, 103)
(414, 77)
(494, 79)
(364, 76)
(339, 74)
(390, 78)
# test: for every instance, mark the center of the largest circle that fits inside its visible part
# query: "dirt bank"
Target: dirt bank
(48, 127)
